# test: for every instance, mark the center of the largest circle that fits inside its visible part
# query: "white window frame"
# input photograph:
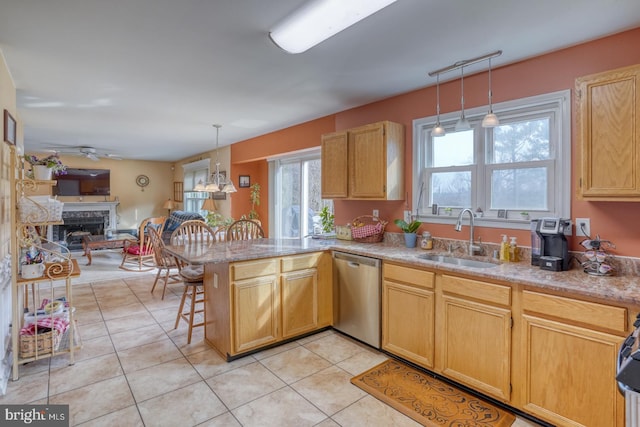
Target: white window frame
(555, 104)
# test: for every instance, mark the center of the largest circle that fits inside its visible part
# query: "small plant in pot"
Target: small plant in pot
(409, 229)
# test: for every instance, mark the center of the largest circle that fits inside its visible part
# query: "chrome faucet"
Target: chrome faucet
(472, 248)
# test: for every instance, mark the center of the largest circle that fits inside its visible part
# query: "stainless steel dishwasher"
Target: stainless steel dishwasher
(357, 289)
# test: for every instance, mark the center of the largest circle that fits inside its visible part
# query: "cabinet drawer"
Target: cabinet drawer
(413, 276)
(300, 262)
(589, 313)
(249, 269)
(483, 291)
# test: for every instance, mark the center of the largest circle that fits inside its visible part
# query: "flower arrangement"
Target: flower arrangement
(52, 162)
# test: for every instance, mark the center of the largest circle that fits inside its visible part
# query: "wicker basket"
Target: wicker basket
(368, 229)
(47, 342)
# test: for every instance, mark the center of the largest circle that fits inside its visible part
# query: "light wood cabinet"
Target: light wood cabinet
(475, 339)
(257, 303)
(335, 166)
(366, 162)
(608, 116)
(408, 316)
(570, 349)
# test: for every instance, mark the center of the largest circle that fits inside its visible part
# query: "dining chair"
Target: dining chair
(192, 232)
(137, 255)
(244, 229)
(165, 262)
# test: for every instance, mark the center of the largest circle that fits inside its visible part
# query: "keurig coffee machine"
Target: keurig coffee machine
(554, 249)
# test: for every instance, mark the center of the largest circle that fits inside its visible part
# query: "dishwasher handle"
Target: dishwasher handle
(356, 260)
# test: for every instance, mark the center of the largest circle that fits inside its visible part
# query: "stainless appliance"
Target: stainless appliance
(554, 249)
(628, 375)
(357, 292)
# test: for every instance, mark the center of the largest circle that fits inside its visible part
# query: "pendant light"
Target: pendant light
(218, 182)
(490, 120)
(462, 123)
(437, 130)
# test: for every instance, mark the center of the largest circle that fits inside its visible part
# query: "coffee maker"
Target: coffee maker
(550, 250)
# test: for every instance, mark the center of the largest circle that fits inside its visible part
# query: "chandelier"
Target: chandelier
(217, 182)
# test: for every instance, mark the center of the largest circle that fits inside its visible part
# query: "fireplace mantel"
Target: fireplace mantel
(91, 207)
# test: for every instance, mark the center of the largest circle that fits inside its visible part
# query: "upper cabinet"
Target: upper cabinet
(365, 163)
(608, 115)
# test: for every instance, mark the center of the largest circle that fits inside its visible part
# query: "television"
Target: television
(83, 182)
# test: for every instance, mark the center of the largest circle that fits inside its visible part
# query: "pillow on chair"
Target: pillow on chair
(192, 273)
(135, 250)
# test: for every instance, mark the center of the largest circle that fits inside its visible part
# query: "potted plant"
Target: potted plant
(448, 211)
(409, 230)
(254, 196)
(217, 220)
(326, 218)
(42, 169)
(524, 215)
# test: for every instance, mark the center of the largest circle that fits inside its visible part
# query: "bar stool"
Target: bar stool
(192, 232)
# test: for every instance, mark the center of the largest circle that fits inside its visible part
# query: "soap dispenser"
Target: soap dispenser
(514, 256)
(504, 249)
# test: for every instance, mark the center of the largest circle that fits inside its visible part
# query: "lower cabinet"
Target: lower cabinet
(408, 317)
(551, 356)
(272, 300)
(475, 343)
(570, 362)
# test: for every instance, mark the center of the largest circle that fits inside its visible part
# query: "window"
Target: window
(522, 165)
(296, 198)
(193, 173)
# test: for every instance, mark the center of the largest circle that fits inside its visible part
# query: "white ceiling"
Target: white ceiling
(146, 79)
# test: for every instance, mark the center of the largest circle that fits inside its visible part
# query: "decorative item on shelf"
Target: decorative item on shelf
(367, 229)
(32, 264)
(479, 213)
(43, 169)
(524, 216)
(448, 211)
(409, 229)
(218, 182)
(597, 262)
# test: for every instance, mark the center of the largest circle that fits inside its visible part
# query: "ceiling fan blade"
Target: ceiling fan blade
(92, 156)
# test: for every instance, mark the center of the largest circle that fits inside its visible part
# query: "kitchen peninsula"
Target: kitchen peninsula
(512, 332)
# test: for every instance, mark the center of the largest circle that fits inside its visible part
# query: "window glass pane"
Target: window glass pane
(290, 199)
(451, 188)
(453, 149)
(521, 141)
(519, 189)
(193, 201)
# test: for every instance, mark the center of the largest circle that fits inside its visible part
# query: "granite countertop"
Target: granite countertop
(624, 289)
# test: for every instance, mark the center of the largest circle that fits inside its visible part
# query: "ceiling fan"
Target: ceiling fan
(84, 151)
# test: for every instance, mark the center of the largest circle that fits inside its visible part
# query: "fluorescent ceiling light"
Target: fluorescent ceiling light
(317, 20)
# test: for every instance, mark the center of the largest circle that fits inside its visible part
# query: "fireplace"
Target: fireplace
(81, 219)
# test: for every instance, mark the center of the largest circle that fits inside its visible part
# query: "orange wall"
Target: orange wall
(543, 74)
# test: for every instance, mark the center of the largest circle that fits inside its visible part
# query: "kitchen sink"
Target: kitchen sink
(463, 262)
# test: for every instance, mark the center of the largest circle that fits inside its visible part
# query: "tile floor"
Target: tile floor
(135, 370)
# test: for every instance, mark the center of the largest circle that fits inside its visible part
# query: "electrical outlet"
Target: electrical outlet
(376, 213)
(583, 227)
(407, 216)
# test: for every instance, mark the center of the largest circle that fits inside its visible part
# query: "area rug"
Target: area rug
(427, 400)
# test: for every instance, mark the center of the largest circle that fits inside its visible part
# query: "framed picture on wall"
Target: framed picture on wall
(9, 128)
(177, 191)
(244, 181)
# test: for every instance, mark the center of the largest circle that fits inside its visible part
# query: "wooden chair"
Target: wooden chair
(138, 255)
(164, 262)
(244, 229)
(192, 232)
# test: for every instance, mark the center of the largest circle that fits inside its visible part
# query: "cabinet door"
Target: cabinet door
(255, 313)
(570, 374)
(299, 302)
(367, 162)
(334, 166)
(475, 343)
(608, 117)
(408, 322)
